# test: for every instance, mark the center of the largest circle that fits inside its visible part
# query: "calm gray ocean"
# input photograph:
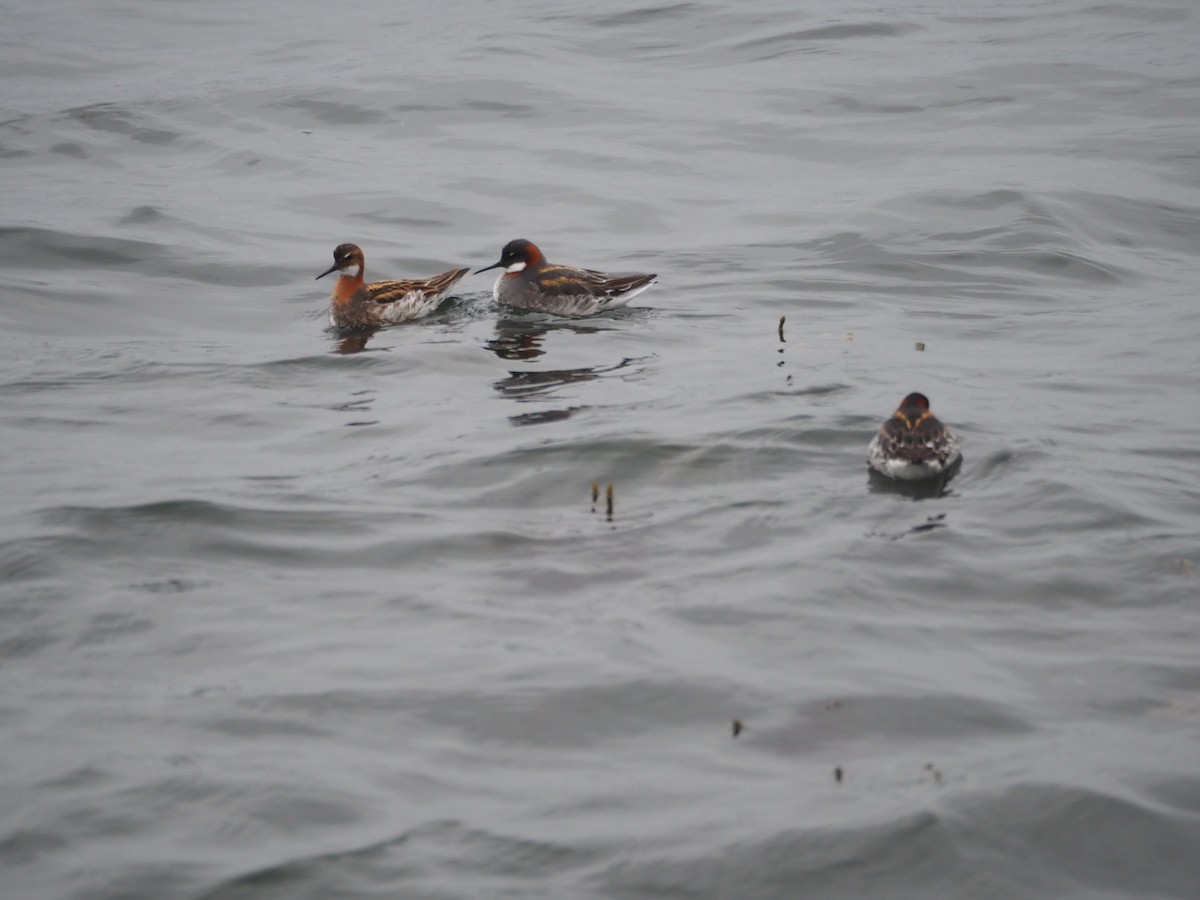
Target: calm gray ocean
(286, 613)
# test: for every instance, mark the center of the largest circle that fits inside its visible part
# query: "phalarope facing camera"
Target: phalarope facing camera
(913, 445)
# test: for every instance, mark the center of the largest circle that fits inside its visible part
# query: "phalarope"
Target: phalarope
(913, 445)
(531, 283)
(356, 304)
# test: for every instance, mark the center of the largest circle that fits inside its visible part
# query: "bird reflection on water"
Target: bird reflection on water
(524, 341)
(520, 339)
(349, 342)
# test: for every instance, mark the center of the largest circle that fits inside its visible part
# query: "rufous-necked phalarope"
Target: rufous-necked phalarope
(355, 304)
(913, 445)
(531, 283)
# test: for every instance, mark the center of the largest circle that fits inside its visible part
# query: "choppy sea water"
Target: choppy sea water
(291, 613)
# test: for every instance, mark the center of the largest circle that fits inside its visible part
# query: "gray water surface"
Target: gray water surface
(289, 613)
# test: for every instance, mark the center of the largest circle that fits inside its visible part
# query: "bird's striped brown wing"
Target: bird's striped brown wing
(398, 289)
(922, 440)
(616, 285)
(560, 280)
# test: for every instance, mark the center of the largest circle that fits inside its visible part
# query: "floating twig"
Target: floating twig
(782, 319)
(738, 727)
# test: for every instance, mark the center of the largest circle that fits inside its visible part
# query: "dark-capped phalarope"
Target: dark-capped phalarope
(913, 445)
(356, 304)
(531, 283)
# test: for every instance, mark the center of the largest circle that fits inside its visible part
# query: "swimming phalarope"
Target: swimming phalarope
(913, 444)
(355, 304)
(531, 283)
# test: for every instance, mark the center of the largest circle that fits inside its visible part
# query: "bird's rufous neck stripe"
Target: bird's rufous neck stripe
(345, 289)
(910, 424)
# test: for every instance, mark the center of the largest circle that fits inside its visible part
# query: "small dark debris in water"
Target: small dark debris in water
(782, 319)
(738, 727)
(833, 704)
(920, 345)
(608, 502)
(837, 774)
(935, 772)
